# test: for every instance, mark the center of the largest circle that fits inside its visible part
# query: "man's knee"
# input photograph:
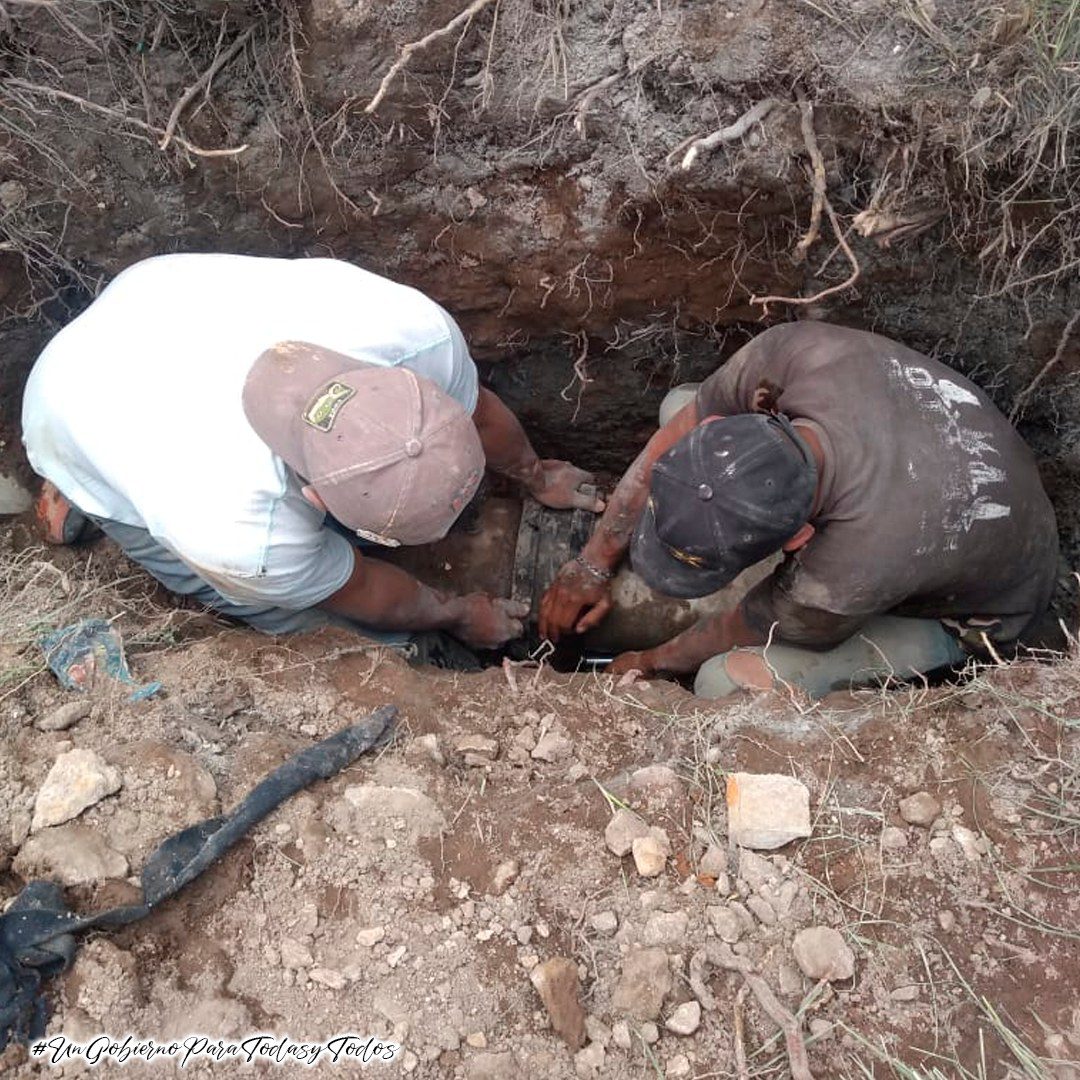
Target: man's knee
(739, 669)
(677, 399)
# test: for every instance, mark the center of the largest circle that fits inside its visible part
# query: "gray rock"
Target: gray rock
(714, 862)
(644, 983)
(685, 1019)
(947, 921)
(425, 748)
(65, 716)
(822, 953)
(597, 1031)
(604, 922)
(649, 1032)
(372, 809)
(666, 928)
(77, 780)
(590, 1061)
(766, 810)
(73, 853)
(756, 870)
(483, 745)
(678, 1067)
(724, 922)
(622, 830)
(505, 875)
(791, 980)
(328, 977)
(370, 936)
(296, 955)
(761, 907)
(893, 838)
(14, 498)
(920, 809)
(620, 1034)
(492, 1067)
(552, 748)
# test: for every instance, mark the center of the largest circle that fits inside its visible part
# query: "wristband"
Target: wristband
(595, 571)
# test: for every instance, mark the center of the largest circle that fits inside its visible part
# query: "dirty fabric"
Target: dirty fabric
(930, 506)
(81, 653)
(37, 932)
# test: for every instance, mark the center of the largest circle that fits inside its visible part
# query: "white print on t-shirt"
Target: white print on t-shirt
(963, 448)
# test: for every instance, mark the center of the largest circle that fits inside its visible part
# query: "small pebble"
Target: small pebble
(685, 1019)
(920, 809)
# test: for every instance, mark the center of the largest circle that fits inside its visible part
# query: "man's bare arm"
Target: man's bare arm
(686, 652)
(385, 597)
(578, 599)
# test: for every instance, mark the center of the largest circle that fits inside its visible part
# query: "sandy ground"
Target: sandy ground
(413, 897)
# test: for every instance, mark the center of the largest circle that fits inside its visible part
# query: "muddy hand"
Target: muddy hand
(642, 662)
(487, 622)
(576, 600)
(560, 487)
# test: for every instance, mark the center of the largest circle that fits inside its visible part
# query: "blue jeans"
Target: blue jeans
(179, 578)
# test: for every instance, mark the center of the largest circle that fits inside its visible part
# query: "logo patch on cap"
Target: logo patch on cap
(324, 408)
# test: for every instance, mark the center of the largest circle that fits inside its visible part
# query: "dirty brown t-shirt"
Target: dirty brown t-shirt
(930, 504)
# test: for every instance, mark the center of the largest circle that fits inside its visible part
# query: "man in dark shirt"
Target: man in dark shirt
(914, 524)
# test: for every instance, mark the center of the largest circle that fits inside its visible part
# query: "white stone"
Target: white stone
(622, 830)
(370, 936)
(685, 1019)
(328, 977)
(650, 855)
(920, 809)
(552, 748)
(477, 744)
(590, 1061)
(665, 928)
(296, 955)
(714, 862)
(620, 1033)
(766, 810)
(14, 498)
(77, 780)
(893, 838)
(678, 1067)
(73, 853)
(505, 875)
(970, 842)
(605, 922)
(728, 928)
(822, 953)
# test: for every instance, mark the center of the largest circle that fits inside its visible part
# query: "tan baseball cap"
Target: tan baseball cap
(389, 453)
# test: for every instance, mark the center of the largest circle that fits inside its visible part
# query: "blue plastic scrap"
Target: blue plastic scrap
(79, 653)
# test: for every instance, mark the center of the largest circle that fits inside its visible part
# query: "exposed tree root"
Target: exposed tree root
(407, 51)
(707, 143)
(1025, 394)
(716, 954)
(817, 162)
(202, 82)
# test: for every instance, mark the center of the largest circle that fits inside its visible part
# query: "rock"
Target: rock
(971, 844)
(766, 810)
(946, 920)
(590, 1061)
(12, 196)
(941, 846)
(724, 922)
(822, 953)
(820, 1028)
(552, 747)
(744, 916)
(505, 875)
(477, 1040)
(14, 498)
(790, 978)
(77, 780)
(666, 928)
(622, 830)
(596, 1030)
(657, 782)
(908, 992)
(893, 838)
(328, 977)
(756, 870)
(477, 744)
(678, 1067)
(761, 907)
(920, 809)
(649, 1032)
(644, 983)
(620, 1034)
(685, 1019)
(605, 922)
(714, 862)
(375, 810)
(73, 853)
(556, 981)
(425, 748)
(651, 853)
(370, 936)
(296, 955)
(493, 1067)
(65, 716)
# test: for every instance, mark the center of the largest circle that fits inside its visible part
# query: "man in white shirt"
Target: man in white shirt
(207, 410)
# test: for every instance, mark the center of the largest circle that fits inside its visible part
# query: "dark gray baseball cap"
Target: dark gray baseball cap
(722, 498)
